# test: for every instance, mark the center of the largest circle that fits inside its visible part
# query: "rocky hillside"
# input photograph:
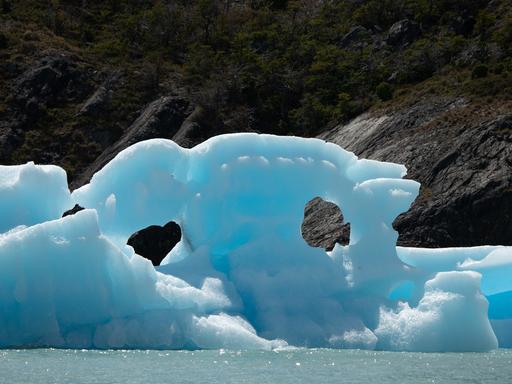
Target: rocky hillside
(426, 83)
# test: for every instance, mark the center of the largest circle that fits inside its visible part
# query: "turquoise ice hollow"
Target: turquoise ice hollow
(242, 276)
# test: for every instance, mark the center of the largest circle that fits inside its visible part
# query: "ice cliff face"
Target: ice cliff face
(242, 276)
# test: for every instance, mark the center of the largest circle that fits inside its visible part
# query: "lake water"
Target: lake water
(288, 366)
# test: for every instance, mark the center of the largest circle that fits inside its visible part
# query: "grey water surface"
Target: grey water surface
(309, 366)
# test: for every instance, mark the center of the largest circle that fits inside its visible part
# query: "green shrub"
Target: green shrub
(6, 6)
(384, 91)
(503, 36)
(480, 71)
(4, 42)
(311, 116)
(498, 69)
(484, 23)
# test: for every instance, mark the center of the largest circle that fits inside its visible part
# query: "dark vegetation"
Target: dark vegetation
(285, 67)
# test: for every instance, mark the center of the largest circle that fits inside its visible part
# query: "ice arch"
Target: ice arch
(246, 188)
(219, 183)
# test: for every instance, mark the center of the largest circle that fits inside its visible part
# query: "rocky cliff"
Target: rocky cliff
(460, 151)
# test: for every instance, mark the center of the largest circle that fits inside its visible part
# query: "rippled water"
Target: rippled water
(289, 366)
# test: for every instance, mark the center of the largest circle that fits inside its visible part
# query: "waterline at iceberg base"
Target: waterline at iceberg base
(242, 277)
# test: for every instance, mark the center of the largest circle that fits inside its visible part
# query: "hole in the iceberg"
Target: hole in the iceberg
(155, 242)
(323, 225)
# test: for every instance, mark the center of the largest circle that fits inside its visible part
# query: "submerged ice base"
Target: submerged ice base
(242, 275)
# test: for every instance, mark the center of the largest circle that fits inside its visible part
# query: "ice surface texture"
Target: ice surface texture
(242, 275)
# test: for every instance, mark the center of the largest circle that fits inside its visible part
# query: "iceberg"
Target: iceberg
(242, 276)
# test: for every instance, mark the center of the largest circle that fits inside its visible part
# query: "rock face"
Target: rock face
(198, 127)
(155, 242)
(55, 77)
(403, 32)
(355, 36)
(98, 102)
(323, 225)
(464, 166)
